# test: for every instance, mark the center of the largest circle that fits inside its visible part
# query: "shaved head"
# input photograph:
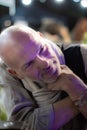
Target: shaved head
(28, 54)
(11, 39)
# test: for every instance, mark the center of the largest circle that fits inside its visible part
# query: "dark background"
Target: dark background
(69, 12)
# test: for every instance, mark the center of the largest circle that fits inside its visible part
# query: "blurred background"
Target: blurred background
(32, 11)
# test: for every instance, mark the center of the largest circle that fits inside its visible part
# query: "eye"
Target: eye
(28, 64)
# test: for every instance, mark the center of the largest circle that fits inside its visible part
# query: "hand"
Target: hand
(66, 80)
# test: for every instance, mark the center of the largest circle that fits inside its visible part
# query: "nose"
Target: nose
(42, 62)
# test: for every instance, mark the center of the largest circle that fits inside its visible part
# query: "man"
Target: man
(31, 57)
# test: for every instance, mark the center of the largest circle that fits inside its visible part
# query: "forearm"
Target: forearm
(78, 94)
(45, 115)
(36, 118)
(64, 111)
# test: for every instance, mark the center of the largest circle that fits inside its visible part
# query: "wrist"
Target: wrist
(69, 84)
(82, 100)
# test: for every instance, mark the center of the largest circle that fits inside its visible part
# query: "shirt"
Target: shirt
(33, 103)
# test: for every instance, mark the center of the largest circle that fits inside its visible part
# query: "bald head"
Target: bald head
(12, 39)
(18, 33)
(27, 54)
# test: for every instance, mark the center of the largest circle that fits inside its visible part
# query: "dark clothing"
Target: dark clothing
(74, 60)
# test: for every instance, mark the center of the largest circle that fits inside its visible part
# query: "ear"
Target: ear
(12, 72)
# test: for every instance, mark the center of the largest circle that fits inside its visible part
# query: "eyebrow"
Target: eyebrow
(26, 64)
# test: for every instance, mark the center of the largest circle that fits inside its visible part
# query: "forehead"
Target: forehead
(30, 43)
(31, 47)
(24, 41)
(22, 45)
(27, 52)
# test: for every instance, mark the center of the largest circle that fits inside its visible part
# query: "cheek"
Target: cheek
(31, 73)
(20, 75)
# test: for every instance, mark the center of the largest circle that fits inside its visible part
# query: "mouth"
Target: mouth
(50, 72)
(49, 75)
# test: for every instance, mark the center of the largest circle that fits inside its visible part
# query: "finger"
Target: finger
(65, 69)
(62, 66)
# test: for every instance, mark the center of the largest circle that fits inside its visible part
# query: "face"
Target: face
(36, 60)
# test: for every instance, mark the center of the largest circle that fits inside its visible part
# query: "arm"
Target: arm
(21, 107)
(73, 86)
(64, 111)
(43, 113)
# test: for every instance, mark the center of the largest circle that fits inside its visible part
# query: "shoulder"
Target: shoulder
(70, 46)
(84, 56)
